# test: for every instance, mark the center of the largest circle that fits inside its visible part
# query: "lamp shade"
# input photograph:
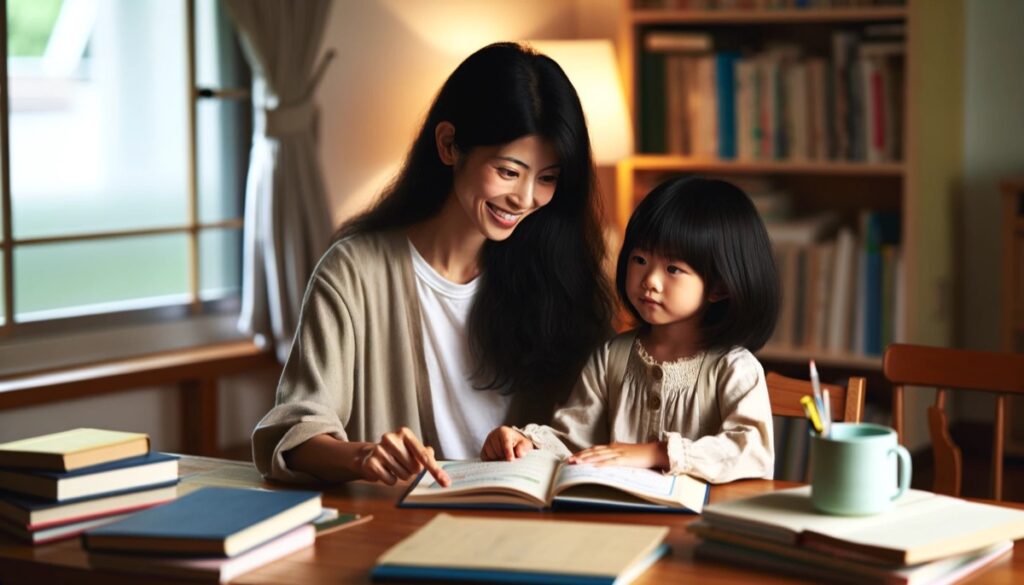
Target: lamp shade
(590, 65)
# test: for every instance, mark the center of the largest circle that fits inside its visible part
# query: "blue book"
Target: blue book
(725, 93)
(211, 521)
(470, 549)
(107, 478)
(539, 480)
(879, 228)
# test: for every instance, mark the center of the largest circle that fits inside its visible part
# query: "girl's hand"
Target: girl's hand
(505, 444)
(400, 456)
(647, 455)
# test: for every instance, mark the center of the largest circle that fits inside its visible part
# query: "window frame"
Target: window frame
(14, 331)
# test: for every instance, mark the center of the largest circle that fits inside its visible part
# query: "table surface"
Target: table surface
(346, 556)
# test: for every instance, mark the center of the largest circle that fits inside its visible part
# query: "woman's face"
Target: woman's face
(498, 186)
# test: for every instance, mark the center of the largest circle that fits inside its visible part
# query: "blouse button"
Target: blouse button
(655, 402)
(658, 373)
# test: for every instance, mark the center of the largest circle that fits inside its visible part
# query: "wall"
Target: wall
(993, 149)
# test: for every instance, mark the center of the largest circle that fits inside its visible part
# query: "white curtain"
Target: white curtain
(287, 222)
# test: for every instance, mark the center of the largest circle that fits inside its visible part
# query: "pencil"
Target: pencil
(812, 412)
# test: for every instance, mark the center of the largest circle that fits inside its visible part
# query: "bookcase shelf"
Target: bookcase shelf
(763, 16)
(669, 163)
(912, 182)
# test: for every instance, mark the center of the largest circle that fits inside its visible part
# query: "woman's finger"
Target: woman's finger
(391, 464)
(398, 457)
(375, 470)
(425, 457)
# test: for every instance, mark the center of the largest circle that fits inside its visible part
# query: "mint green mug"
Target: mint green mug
(853, 470)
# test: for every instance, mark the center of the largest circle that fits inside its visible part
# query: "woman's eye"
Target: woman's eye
(506, 173)
(549, 179)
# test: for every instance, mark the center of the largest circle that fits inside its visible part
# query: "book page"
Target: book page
(671, 490)
(542, 546)
(530, 475)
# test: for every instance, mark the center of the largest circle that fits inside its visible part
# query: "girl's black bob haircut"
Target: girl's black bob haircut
(714, 227)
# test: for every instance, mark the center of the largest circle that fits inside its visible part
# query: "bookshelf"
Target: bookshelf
(912, 182)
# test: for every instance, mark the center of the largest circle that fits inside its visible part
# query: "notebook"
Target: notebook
(211, 521)
(454, 549)
(74, 449)
(541, 480)
(147, 470)
(921, 526)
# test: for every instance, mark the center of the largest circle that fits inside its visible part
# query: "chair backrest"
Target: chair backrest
(954, 369)
(847, 404)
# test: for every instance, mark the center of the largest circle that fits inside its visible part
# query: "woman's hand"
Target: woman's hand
(399, 456)
(505, 444)
(647, 455)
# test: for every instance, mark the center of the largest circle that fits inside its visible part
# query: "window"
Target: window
(125, 146)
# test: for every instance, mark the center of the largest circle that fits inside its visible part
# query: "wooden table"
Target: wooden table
(348, 555)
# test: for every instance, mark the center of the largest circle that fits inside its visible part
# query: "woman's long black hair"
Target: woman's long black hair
(543, 303)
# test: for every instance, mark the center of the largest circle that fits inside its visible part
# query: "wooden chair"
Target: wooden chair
(847, 404)
(945, 369)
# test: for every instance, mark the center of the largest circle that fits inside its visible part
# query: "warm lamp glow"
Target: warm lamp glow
(590, 65)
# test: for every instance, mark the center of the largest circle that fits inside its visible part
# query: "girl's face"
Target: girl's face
(498, 186)
(663, 290)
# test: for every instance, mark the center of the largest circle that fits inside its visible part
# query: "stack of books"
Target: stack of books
(212, 534)
(57, 486)
(924, 538)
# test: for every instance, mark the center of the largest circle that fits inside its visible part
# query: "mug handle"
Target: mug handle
(904, 469)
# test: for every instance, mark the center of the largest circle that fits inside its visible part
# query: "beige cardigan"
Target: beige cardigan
(719, 430)
(356, 368)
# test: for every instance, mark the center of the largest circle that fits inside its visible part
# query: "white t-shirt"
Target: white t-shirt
(463, 415)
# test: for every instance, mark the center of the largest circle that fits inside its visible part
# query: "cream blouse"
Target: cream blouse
(712, 410)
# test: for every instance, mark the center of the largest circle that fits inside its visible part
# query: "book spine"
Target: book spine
(725, 78)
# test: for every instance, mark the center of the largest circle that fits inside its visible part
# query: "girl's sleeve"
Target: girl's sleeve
(314, 395)
(583, 421)
(743, 446)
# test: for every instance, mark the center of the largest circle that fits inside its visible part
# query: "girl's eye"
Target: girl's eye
(673, 269)
(639, 260)
(507, 173)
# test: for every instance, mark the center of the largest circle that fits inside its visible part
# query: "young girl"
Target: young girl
(683, 392)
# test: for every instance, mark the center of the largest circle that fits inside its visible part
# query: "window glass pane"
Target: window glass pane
(220, 263)
(98, 121)
(220, 63)
(223, 136)
(53, 280)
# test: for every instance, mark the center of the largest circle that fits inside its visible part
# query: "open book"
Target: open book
(541, 480)
(920, 527)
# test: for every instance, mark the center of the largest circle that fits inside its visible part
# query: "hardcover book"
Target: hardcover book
(210, 521)
(541, 480)
(74, 449)
(500, 550)
(148, 470)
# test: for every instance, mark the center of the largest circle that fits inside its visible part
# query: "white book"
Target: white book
(843, 275)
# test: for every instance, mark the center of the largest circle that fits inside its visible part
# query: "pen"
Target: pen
(816, 385)
(826, 415)
(811, 412)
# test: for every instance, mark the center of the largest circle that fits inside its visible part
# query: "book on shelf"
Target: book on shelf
(540, 480)
(73, 449)
(920, 527)
(455, 549)
(34, 514)
(211, 521)
(147, 470)
(207, 569)
(716, 98)
(737, 549)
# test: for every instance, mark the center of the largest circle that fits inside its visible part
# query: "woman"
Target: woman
(466, 298)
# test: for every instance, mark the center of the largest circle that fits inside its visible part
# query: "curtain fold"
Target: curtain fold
(287, 221)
